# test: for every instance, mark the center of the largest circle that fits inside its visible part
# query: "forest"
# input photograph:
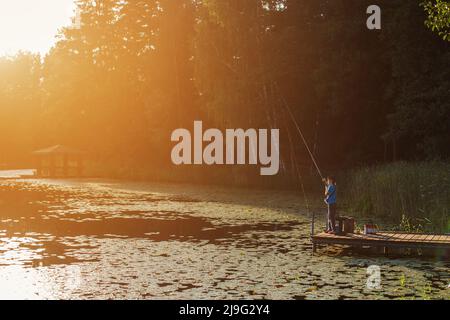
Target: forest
(134, 71)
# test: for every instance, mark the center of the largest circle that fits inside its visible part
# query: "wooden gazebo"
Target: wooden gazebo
(59, 161)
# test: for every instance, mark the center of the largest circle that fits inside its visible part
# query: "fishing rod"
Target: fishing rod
(301, 134)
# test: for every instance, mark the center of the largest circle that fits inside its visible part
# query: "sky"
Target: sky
(31, 25)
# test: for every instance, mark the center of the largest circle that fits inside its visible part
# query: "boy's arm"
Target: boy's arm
(326, 186)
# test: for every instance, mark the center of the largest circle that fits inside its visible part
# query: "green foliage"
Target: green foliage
(426, 292)
(438, 20)
(407, 225)
(402, 280)
(414, 196)
(136, 70)
(418, 90)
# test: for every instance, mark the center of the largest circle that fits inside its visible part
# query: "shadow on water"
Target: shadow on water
(248, 196)
(47, 217)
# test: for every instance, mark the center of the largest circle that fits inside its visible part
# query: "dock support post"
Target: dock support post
(314, 247)
(386, 251)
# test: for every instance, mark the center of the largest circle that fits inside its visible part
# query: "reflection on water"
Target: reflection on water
(17, 173)
(94, 239)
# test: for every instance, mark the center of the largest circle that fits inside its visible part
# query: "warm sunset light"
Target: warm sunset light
(31, 25)
(233, 151)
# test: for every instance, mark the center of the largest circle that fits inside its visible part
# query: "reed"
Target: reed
(412, 196)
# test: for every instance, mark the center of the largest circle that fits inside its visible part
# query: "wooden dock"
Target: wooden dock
(384, 240)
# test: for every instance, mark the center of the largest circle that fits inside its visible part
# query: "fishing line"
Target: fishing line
(294, 163)
(297, 170)
(301, 133)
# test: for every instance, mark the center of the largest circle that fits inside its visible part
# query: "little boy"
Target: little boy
(330, 200)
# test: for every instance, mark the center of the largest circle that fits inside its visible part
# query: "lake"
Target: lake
(106, 239)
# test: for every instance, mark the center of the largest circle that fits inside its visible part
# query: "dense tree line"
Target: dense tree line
(136, 70)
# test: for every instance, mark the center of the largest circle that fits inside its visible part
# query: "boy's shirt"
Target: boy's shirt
(331, 198)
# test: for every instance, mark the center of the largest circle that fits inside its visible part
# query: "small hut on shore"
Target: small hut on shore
(59, 161)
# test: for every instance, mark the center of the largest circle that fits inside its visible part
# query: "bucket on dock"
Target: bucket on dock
(370, 228)
(345, 225)
(348, 225)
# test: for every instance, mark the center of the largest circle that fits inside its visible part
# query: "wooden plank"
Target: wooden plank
(386, 239)
(417, 237)
(399, 237)
(425, 238)
(443, 239)
(405, 236)
(391, 235)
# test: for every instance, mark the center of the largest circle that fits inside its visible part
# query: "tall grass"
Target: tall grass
(414, 196)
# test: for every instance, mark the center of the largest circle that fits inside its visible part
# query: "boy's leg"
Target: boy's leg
(328, 218)
(332, 216)
(329, 228)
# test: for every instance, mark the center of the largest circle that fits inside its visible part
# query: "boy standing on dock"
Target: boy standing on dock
(330, 200)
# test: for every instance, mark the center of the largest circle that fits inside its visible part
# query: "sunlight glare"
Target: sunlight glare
(31, 25)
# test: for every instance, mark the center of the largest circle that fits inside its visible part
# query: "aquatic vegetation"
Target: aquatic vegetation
(106, 240)
(411, 196)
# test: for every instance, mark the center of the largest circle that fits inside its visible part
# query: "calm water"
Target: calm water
(106, 239)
